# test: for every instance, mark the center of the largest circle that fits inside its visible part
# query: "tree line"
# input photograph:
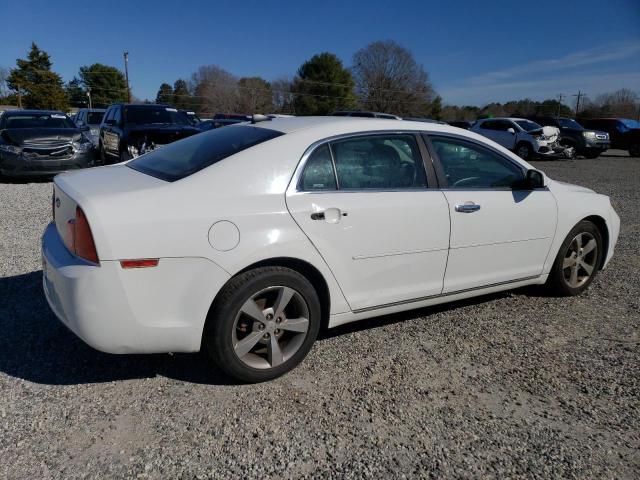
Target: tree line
(383, 76)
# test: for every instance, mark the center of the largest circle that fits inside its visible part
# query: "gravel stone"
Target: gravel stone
(512, 385)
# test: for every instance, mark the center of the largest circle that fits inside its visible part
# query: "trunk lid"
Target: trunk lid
(93, 189)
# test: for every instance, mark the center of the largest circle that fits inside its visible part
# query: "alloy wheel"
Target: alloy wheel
(270, 327)
(580, 260)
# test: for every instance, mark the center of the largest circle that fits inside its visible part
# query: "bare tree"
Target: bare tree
(4, 89)
(388, 79)
(216, 89)
(255, 95)
(282, 95)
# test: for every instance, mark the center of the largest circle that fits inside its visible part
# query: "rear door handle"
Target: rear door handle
(467, 207)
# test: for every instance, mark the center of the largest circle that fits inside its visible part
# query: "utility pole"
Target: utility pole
(89, 95)
(559, 103)
(126, 74)
(579, 95)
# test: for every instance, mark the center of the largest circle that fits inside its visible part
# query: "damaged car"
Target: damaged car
(524, 137)
(41, 143)
(129, 130)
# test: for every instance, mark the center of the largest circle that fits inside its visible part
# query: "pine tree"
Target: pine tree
(37, 84)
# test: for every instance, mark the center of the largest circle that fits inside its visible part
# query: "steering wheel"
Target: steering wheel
(464, 181)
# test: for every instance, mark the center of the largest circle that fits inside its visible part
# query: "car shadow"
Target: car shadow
(36, 347)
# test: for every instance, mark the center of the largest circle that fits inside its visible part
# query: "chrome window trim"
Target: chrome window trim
(296, 180)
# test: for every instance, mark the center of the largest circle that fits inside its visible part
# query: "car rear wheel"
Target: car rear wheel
(524, 151)
(263, 324)
(578, 260)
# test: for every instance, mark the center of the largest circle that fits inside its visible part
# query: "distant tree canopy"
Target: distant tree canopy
(77, 95)
(513, 108)
(388, 79)
(322, 86)
(107, 84)
(182, 97)
(622, 103)
(38, 86)
(165, 94)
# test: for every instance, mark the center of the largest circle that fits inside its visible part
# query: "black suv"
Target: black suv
(624, 132)
(588, 143)
(129, 130)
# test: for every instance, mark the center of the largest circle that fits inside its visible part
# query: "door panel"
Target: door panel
(382, 247)
(507, 238)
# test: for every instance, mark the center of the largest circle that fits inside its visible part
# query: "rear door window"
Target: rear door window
(190, 155)
(379, 162)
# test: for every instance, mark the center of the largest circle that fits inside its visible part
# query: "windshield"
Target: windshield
(185, 157)
(154, 115)
(37, 120)
(570, 123)
(94, 118)
(528, 125)
(630, 123)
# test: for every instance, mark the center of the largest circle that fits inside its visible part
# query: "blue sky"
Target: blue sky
(474, 51)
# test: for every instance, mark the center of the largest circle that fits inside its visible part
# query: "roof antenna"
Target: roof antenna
(256, 117)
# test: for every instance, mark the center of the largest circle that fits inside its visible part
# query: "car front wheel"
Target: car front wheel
(263, 324)
(578, 260)
(524, 151)
(634, 150)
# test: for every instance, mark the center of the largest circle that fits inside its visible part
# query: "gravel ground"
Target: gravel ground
(511, 385)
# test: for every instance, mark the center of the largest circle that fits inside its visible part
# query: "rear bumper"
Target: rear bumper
(12, 165)
(147, 310)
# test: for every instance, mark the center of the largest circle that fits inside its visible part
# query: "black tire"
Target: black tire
(524, 150)
(557, 283)
(124, 156)
(221, 325)
(103, 155)
(634, 150)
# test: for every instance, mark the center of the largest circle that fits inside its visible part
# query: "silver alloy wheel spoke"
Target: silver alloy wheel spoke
(247, 343)
(588, 248)
(274, 352)
(569, 262)
(251, 309)
(284, 297)
(573, 280)
(587, 268)
(299, 325)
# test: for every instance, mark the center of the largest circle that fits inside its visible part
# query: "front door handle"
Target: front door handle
(317, 216)
(467, 207)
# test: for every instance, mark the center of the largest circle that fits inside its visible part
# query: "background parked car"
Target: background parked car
(193, 118)
(129, 130)
(41, 142)
(588, 143)
(624, 133)
(221, 122)
(232, 116)
(524, 137)
(461, 124)
(364, 114)
(89, 120)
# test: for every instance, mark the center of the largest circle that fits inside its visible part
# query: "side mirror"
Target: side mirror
(511, 131)
(531, 181)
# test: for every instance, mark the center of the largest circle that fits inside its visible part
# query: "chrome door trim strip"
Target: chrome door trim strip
(431, 297)
(393, 254)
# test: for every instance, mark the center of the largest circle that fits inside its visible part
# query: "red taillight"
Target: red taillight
(83, 241)
(139, 263)
(79, 238)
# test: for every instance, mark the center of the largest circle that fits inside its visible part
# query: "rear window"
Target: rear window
(190, 155)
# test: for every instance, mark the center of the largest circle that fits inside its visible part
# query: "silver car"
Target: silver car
(89, 120)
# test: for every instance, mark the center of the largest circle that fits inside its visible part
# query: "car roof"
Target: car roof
(33, 112)
(330, 125)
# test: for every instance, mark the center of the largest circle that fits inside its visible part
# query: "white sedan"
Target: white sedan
(245, 241)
